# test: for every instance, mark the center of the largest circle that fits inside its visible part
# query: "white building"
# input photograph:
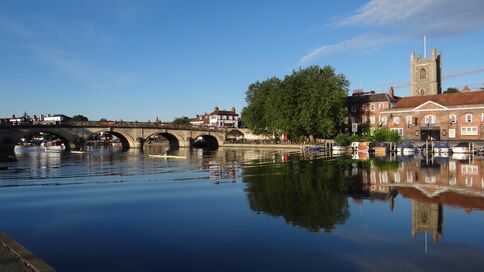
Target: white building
(217, 118)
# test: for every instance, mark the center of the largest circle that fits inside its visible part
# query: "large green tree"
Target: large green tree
(308, 102)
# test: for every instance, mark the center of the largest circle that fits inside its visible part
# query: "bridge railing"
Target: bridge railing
(118, 124)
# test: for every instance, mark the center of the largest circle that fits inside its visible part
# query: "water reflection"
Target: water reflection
(339, 213)
(313, 194)
(310, 195)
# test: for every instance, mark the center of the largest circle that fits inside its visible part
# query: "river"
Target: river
(245, 210)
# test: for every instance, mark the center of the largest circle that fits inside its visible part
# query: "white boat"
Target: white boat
(405, 148)
(354, 146)
(442, 148)
(55, 146)
(461, 156)
(339, 149)
(462, 148)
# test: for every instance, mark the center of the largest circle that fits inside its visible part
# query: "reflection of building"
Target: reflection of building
(429, 183)
(427, 217)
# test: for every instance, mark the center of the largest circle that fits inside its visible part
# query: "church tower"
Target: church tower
(425, 74)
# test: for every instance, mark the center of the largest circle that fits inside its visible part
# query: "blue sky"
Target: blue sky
(135, 60)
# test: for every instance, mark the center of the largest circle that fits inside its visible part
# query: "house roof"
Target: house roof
(365, 98)
(453, 99)
(223, 112)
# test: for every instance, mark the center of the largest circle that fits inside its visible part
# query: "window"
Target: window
(364, 119)
(468, 181)
(372, 107)
(396, 175)
(372, 119)
(453, 119)
(381, 106)
(353, 108)
(409, 120)
(396, 120)
(363, 107)
(482, 117)
(372, 131)
(468, 131)
(469, 118)
(409, 176)
(372, 177)
(430, 119)
(384, 120)
(423, 73)
(346, 120)
(453, 180)
(452, 166)
(383, 177)
(451, 132)
(430, 179)
(399, 130)
(469, 169)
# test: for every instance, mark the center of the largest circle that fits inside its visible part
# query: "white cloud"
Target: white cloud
(463, 72)
(393, 20)
(363, 42)
(419, 17)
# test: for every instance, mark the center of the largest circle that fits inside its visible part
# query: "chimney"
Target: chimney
(216, 108)
(391, 92)
(466, 89)
(233, 109)
(434, 53)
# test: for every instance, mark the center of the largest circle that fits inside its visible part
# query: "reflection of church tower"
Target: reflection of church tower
(425, 74)
(427, 217)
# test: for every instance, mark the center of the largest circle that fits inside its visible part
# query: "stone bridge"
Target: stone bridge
(132, 134)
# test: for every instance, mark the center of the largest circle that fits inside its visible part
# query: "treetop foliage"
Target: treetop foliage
(308, 102)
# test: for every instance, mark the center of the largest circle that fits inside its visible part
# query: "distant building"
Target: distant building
(200, 120)
(456, 116)
(217, 118)
(364, 110)
(55, 119)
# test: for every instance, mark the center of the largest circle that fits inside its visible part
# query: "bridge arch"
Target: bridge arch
(210, 140)
(70, 140)
(126, 140)
(174, 140)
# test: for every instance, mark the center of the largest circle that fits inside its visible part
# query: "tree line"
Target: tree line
(310, 102)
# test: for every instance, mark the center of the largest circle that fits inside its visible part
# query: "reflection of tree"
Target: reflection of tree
(310, 194)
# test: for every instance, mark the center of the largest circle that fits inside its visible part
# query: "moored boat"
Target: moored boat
(366, 147)
(462, 148)
(339, 148)
(55, 146)
(405, 148)
(441, 147)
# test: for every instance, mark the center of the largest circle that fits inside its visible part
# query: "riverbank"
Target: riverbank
(16, 258)
(273, 146)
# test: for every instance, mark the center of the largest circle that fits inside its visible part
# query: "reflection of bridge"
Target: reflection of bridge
(132, 135)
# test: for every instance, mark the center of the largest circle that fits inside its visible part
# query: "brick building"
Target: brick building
(365, 108)
(448, 117)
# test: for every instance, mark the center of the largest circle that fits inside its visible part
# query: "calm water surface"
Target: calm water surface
(245, 210)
